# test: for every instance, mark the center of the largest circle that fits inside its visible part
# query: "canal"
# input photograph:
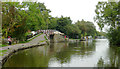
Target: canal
(95, 53)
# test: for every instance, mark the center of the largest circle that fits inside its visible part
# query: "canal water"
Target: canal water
(95, 53)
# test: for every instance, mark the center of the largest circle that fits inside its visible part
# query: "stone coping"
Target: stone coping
(11, 51)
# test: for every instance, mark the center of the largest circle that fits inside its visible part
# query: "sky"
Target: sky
(75, 9)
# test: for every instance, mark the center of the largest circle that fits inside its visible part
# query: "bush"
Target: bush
(4, 40)
(28, 35)
(114, 36)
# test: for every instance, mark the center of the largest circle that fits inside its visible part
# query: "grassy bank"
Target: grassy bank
(3, 45)
(30, 38)
(2, 52)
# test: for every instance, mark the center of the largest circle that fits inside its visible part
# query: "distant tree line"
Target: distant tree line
(18, 18)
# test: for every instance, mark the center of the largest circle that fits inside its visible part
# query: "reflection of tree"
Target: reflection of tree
(29, 58)
(100, 62)
(63, 56)
(51, 47)
(59, 51)
(41, 56)
(83, 48)
(114, 58)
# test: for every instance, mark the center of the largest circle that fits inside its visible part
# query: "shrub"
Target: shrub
(114, 36)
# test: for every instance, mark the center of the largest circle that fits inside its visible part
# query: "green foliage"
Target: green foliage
(38, 15)
(27, 33)
(3, 45)
(18, 18)
(101, 33)
(108, 13)
(11, 19)
(30, 38)
(86, 27)
(45, 37)
(53, 23)
(72, 31)
(113, 36)
(62, 23)
(100, 62)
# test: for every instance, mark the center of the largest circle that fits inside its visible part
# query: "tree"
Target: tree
(18, 18)
(53, 23)
(72, 31)
(108, 13)
(38, 15)
(86, 27)
(13, 19)
(62, 22)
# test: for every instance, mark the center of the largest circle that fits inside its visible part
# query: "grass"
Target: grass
(45, 37)
(24, 41)
(2, 51)
(3, 45)
(1, 54)
(42, 40)
(30, 39)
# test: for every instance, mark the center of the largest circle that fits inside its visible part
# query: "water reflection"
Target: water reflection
(69, 52)
(113, 58)
(81, 54)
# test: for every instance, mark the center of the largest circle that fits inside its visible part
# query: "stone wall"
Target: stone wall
(58, 38)
(10, 50)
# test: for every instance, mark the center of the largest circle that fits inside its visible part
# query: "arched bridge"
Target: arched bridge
(54, 35)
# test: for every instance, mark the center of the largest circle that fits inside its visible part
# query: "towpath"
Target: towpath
(7, 50)
(32, 42)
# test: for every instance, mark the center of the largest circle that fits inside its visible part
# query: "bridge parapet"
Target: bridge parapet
(51, 32)
(54, 35)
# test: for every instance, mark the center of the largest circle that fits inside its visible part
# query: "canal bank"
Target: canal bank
(7, 51)
(97, 53)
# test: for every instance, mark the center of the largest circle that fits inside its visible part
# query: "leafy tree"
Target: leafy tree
(62, 22)
(38, 15)
(108, 13)
(18, 18)
(86, 27)
(72, 31)
(12, 20)
(53, 23)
